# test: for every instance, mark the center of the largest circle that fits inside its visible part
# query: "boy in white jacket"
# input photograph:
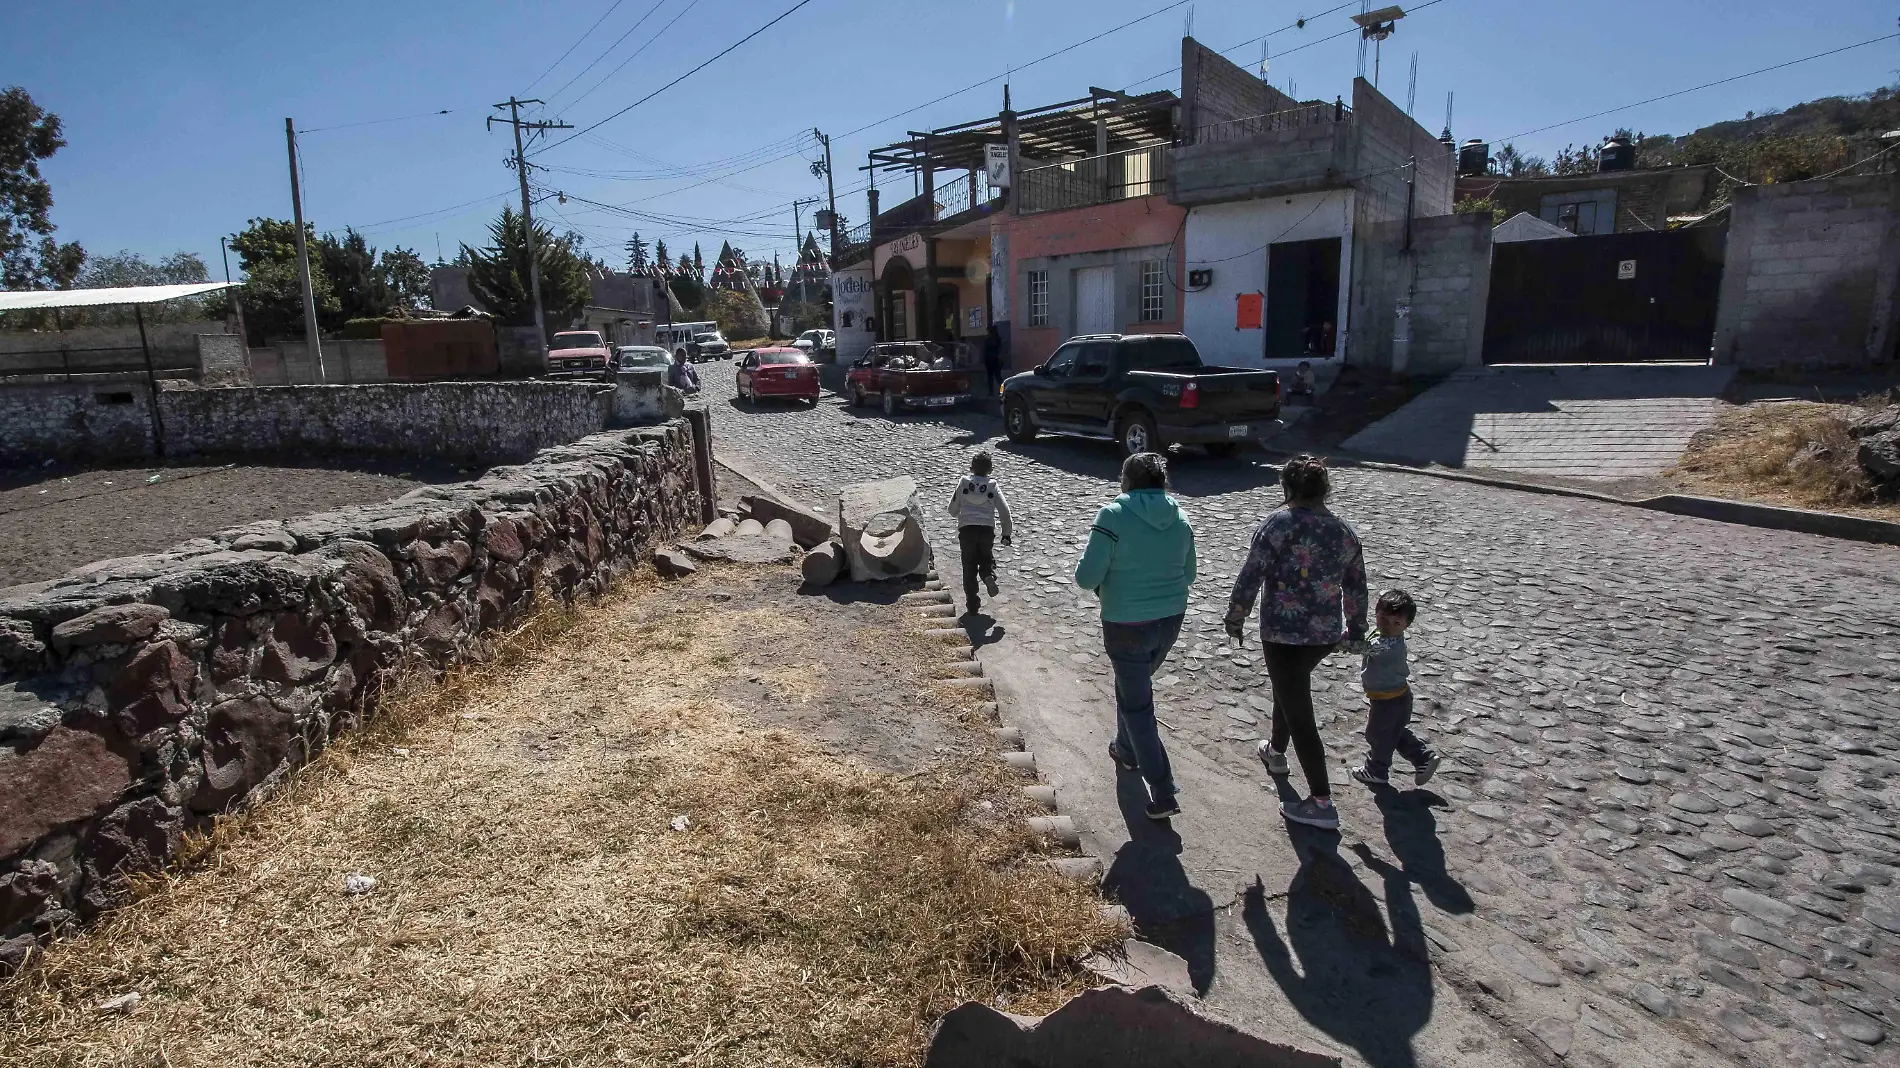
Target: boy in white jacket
(975, 504)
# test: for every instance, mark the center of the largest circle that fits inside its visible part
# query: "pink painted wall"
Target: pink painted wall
(1133, 223)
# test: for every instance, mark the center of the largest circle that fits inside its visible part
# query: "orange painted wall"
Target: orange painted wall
(1138, 222)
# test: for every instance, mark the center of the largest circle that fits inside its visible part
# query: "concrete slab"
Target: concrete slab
(1603, 421)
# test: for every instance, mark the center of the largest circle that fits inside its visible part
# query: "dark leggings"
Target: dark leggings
(1291, 669)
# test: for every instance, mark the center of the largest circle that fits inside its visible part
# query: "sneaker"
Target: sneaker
(1424, 772)
(1360, 774)
(1161, 810)
(1122, 760)
(1275, 760)
(1311, 813)
(989, 583)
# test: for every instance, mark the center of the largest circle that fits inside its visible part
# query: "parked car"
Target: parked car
(820, 344)
(629, 356)
(777, 372)
(908, 374)
(699, 341)
(577, 354)
(1144, 391)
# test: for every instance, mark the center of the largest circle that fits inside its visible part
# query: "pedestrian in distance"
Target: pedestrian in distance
(1384, 674)
(1140, 562)
(992, 361)
(1302, 380)
(682, 376)
(976, 504)
(1314, 572)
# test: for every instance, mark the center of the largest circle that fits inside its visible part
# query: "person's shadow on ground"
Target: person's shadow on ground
(1364, 983)
(983, 629)
(1148, 880)
(1412, 831)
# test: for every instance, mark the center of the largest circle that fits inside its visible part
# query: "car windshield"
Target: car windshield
(588, 340)
(1161, 353)
(643, 358)
(783, 356)
(703, 338)
(810, 335)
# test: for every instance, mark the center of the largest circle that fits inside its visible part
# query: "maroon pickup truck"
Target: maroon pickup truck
(908, 374)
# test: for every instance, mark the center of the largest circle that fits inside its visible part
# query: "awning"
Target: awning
(26, 300)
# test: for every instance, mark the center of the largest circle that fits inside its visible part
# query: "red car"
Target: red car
(777, 372)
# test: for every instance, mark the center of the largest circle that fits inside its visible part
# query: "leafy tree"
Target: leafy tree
(1513, 164)
(273, 292)
(1480, 206)
(406, 277)
(686, 267)
(699, 262)
(637, 253)
(1574, 160)
(659, 256)
(739, 314)
(360, 288)
(498, 275)
(126, 268)
(688, 290)
(29, 257)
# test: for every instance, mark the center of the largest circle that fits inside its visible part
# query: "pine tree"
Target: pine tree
(660, 258)
(699, 262)
(636, 254)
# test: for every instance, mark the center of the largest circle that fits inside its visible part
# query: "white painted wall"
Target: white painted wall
(1231, 240)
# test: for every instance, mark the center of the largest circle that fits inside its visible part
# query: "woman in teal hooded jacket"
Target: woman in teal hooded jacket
(1140, 563)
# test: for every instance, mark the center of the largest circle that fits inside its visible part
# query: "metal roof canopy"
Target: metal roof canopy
(32, 299)
(1057, 131)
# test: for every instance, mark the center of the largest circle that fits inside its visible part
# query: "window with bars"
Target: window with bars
(1038, 298)
(1153, 293)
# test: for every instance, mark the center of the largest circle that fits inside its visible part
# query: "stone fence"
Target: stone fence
(140, 697)
(487, 422)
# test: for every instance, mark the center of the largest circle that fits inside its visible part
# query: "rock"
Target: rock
(822, 563)
(133, 838)
(19, 644)
(1724, 950)
(118, 624)
(355, 885)
(245, 740)
(27, 891)
(153, 689)
(882, 527)
(742, 548)
(367, 581)
(1649, 997)
(1861, 1029)
(1875, 422)
(1142, 964)
(1739, 1025)
(25, 716)
(1753, 826)
(296, 650)
(120, 1005)
(1879, 456)
(1765, 909)
(780, 529)
(70, 776)
(808, 528)
(1578, 961)
(672, 563)
(440, 565)
(1553, 1033)
(1522, 964)
(1108, 1026)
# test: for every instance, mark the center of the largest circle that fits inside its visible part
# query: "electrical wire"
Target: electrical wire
(615, 6)
(377, 122)
(1299, 24)
(1698, 88)
(661, 32)
(723, 53)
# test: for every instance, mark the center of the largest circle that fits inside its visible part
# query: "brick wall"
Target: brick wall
(481, 421)
(1215, 90)
(1452, 280)
(1811, 273)
(141, 697)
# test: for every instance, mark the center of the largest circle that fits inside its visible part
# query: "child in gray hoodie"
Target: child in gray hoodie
(976, 504)
(1388, 724)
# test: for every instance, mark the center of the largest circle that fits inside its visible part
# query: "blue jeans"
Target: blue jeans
(1136, 650)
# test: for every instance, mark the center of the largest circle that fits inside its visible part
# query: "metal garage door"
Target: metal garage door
(1611, 298)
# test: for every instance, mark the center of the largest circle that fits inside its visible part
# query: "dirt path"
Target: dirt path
(715, 822)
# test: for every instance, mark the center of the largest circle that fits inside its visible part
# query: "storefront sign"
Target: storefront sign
(973, 321)
(996, 164)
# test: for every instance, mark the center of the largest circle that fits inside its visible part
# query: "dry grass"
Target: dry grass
(1785, 452)
(535, 905)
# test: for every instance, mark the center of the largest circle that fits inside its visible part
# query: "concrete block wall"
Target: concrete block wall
(141, 697)
(479, 421)
(1214, 89)
(1385, 145)
(1451, 285)
(288, 363)
(1811, 273)
(173, 345)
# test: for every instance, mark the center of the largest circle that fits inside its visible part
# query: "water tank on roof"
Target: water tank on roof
(1617, 154)
(1474, 160)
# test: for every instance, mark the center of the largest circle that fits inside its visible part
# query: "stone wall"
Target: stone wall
(1810, 275)
(140, 697)
(1451, 284)
(486, 422)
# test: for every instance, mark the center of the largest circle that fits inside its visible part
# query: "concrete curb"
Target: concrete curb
(770, 490)
(1718, 509)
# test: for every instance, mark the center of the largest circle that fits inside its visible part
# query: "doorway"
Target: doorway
(1095, 300)
(1302, 299)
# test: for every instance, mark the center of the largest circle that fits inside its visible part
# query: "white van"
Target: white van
(699, 341)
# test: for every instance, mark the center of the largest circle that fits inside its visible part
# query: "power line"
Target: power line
(723, 53)
(577, 43)
(1298, 24)
(375, 122)
(1705, 85)
(657, 4)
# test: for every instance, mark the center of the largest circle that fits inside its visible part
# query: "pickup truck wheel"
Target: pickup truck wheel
(1221, 450)
(1137, 433)
(857, 397)
(1016, 422)
(890, 403)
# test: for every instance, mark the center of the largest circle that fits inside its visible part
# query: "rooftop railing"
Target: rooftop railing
(1080, 183)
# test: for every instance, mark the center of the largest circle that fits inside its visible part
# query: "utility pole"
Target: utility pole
(798, 245)
(831, 195)
(310, 339)
(527, 217)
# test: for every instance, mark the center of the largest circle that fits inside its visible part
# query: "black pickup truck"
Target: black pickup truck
(1144, 391)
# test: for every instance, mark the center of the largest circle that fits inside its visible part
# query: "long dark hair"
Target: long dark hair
(1304, 478)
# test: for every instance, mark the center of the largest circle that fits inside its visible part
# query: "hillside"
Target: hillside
(1804, 141)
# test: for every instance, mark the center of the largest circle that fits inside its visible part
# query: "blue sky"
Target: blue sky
(174, 113)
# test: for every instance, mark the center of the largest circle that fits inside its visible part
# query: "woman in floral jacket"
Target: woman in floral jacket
(1315, 577)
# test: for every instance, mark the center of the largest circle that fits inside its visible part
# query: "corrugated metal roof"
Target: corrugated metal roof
(26, 300)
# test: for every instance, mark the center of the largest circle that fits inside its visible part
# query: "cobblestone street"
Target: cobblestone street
(1665, 833)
